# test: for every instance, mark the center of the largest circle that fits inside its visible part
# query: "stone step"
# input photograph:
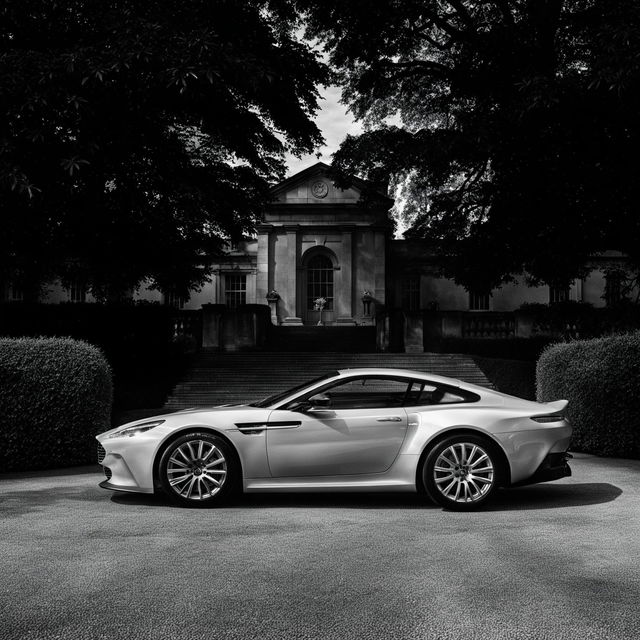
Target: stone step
(224, 378)
(347, 339)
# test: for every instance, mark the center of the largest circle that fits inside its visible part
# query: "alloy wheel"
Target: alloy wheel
(196, 470)
(464, 472)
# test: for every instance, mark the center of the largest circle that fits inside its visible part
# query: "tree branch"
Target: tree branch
(447, 27)
(463, 13)
(426, 65)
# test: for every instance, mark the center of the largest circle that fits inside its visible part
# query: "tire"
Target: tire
(462, 472)
(198, 470)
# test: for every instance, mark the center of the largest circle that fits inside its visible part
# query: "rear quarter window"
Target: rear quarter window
(426, 393)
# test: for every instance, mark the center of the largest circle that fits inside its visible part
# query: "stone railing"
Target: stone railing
(485, 324)
(228, 329)
(410, 332)
(187, 328)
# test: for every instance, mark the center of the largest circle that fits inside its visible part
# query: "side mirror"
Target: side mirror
(320, 401)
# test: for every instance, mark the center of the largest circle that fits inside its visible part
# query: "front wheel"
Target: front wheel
(461, 472)
(198, 470)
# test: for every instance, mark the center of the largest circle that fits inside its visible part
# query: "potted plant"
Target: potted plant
(319, 305)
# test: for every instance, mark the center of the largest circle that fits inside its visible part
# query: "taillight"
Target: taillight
(549, 417)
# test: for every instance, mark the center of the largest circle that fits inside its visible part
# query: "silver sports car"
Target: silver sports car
(349, 430)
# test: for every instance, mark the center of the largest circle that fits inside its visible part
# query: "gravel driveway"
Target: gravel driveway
(558, 560)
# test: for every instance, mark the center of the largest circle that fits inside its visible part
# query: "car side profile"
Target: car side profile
(351, 430)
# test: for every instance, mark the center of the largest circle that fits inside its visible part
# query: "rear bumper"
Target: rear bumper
(553, 467)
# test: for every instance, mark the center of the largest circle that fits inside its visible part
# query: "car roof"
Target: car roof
(387, 371)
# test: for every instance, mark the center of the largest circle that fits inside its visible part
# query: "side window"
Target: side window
(426, 393)
(367, 393)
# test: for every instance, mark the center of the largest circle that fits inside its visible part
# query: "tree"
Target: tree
(517, 148)
(137, 136)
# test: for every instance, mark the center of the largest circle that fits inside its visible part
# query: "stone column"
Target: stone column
(343, 281)
(285, 273)
(262, 266)
(380, 251)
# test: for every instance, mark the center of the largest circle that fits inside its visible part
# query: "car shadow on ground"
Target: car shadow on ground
(540, 496)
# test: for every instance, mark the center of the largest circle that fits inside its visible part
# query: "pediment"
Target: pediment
(315, 186)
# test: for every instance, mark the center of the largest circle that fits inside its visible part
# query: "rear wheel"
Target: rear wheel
(461, 472)
(198, 470)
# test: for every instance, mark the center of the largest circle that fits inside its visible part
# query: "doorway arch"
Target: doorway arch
(318, 281)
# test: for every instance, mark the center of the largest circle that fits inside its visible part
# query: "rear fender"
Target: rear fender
(557, 405)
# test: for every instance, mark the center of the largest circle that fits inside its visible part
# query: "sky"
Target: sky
(334, 122)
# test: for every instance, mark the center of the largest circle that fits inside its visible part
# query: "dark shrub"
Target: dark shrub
(55, 396)
(136, 338)
(601, 380)
(508, 348)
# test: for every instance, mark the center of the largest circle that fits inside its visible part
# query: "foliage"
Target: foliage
(136, 339)
(601, 380)
(518, 125)
(137, 136)
(55, 396)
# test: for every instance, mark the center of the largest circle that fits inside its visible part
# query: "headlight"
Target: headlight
(136, 429)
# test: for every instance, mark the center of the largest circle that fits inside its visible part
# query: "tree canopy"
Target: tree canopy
(137, 136)
(519, 130)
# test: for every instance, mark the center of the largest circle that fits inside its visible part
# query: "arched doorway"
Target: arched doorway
(318, 282)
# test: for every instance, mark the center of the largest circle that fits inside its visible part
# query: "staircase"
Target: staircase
(228, 378)
(314, 338)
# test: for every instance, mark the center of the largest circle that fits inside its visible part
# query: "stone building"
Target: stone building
(318, 241)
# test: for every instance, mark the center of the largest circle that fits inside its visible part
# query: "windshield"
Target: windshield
(266, 402)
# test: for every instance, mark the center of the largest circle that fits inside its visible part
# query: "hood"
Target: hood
(169, 417)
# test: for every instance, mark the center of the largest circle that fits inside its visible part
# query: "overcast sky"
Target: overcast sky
(334, 123)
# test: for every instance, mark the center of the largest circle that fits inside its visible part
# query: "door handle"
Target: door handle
(390, 419)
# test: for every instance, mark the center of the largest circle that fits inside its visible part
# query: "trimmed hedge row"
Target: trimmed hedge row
(601, 380)
(136, 338)
(55, 396)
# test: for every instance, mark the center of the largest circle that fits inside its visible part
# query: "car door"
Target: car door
(361, 431)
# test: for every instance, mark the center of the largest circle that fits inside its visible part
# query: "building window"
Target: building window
(320, 282)
(77, 291)
(16, 292)
(613, 288)
(172, 299)
(558, 294)
(411, 293)
(479, 301)
(235, 289)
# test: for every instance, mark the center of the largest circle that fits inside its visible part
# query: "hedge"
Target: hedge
(136, 338)
(601, 380)
(528, 349)
(55, 396)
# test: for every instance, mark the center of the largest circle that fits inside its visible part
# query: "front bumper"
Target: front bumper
(553, 467)
(106, 484)
(127, 463)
